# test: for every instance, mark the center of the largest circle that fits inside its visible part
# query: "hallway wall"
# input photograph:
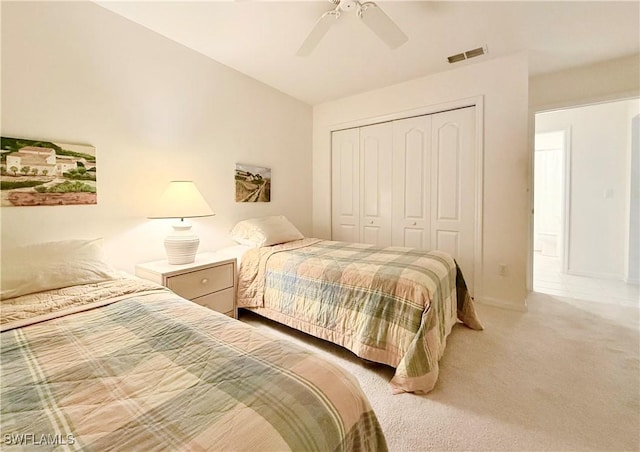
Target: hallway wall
(599, 185)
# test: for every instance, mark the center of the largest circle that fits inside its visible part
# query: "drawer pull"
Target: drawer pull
(204, 281)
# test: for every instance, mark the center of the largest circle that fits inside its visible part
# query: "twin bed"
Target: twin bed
(96, 359)
(394, 306)
(124, 364)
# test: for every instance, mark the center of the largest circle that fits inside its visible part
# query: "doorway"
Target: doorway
(583, 202)
(550, 177)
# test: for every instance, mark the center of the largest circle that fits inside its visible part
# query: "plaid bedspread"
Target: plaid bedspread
(154, 371)
(392, 305)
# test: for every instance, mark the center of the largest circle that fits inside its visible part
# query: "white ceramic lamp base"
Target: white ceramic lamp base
(181, 244)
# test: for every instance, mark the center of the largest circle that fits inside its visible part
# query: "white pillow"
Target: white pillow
(265, 231)
(52, 265)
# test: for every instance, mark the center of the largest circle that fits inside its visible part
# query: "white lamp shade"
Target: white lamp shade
(181, 199)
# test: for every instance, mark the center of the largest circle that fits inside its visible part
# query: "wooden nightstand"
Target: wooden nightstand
(209, 281)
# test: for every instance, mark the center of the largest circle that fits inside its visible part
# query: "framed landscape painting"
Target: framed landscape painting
(253, 183)
(43, 173)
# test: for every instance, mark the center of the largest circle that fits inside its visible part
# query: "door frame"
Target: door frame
(566, 211)
(478, 103)
(565, 216)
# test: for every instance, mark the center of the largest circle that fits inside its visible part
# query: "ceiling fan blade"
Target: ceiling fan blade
(319, 30)
(382, 25)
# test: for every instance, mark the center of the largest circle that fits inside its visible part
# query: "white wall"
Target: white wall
(504, 84)
(599, 186)
(74, 72)
(607, 80)
(633, 262)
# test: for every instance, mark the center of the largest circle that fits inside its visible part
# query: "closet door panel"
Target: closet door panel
(345, 171)
(411, 182)
(447, 172)
(371, 177)
(453, 186)
(376, 146)
(414, 238)
(371, 235)
(448, 241)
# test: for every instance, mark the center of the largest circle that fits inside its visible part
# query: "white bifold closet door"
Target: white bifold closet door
(361, 184)
(345, 185)
(376, 158)
(411, 212)
(453, 187)
(409, 182)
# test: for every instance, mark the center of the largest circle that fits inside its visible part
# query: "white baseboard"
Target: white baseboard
(504, 304)
(634, 281)
(613, 276)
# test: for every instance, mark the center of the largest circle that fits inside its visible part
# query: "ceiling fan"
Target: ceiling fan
(370, 13)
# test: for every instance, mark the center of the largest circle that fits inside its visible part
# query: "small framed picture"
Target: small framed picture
(253, 183)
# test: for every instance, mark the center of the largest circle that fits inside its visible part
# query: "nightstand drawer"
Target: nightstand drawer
(220, 301)
(202, 282)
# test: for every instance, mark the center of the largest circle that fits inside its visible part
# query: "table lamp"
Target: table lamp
(180, 200)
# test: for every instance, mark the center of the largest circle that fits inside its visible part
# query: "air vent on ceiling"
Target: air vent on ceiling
(456, 58)
(467, 54)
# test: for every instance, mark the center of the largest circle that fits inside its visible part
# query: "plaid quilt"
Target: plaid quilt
(392, 305)
(153, 371)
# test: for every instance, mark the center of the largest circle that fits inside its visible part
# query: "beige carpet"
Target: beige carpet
(563, 376)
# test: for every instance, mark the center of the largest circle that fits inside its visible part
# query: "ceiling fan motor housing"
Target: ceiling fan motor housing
(348, 5)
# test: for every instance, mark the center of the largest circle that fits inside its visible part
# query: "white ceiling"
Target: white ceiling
(260, 38)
